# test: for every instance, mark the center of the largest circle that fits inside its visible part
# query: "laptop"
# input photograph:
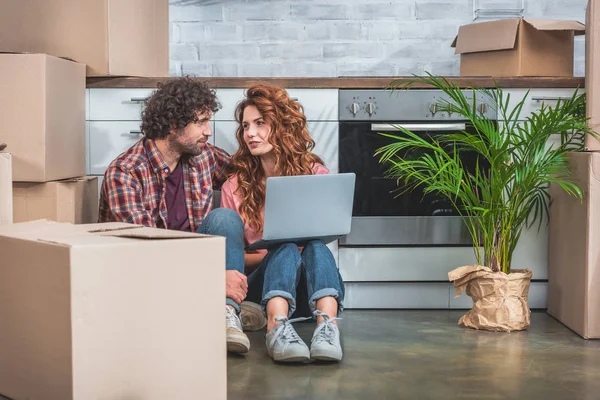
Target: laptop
(306, 207)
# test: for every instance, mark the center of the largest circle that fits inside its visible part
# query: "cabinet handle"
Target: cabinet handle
(549, 98)
(294, 98)
(135, 133)
(137, 100)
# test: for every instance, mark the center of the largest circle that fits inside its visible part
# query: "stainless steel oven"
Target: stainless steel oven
(381, 216)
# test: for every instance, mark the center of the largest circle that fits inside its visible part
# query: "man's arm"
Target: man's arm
(123, 193)
(222, 163)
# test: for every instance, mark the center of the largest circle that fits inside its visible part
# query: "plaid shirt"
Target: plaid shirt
(134, 185)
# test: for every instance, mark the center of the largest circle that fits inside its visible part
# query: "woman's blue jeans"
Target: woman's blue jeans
(300, 278)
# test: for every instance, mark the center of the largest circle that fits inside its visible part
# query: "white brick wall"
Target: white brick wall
(333, 37)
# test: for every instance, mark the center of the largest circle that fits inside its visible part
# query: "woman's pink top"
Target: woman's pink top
(231, 199)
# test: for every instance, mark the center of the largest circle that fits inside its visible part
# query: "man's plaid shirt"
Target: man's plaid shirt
(134, 185)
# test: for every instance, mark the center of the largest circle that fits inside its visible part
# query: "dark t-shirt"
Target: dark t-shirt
(177, 215)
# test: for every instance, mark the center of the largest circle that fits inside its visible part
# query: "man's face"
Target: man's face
(192, 139)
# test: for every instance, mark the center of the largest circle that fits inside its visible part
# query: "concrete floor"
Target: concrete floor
(424, 355)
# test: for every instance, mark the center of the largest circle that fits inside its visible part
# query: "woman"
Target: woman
(286, 280)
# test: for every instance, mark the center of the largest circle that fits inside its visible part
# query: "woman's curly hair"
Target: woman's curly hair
(292, 146)
(175, 104)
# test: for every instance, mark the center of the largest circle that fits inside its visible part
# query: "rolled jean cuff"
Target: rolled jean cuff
(279, 293)
(233, 304)
(329, 292)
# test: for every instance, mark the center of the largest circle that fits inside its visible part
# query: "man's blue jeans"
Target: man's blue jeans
(226, 222)
(300, 278)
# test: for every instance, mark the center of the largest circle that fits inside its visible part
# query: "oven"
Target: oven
(382, 215)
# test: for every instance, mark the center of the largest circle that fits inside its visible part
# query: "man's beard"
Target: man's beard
(187, 148)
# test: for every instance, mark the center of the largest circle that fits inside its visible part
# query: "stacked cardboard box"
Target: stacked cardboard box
(111, 37)
(111, 311)
(574, 255)
(517, 47)
(42, 118)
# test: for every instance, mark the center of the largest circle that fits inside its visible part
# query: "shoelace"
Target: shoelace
(286, 333)
(325, 331)
(232, 320)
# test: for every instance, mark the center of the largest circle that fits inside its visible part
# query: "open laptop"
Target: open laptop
(306, 207)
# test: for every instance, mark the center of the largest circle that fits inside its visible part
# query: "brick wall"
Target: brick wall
(333, 37)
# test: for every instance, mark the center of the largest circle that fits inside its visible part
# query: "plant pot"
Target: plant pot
(499, 300)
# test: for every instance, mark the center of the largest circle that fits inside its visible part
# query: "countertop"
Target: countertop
(345, 82)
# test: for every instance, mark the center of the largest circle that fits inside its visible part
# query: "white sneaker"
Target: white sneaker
(284, 344)
(325, 344)
(237, 341)
(252, 316)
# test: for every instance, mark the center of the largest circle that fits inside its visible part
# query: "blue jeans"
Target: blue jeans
(226, 222)
(300, 278)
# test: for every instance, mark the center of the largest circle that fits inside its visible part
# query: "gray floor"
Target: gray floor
(425, 355)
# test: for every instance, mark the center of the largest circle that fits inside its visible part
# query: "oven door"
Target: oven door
(383, 216)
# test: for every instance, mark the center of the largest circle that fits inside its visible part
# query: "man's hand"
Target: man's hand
(236, 286)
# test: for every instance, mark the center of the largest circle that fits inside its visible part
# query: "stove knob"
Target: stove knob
(354, 108)
(433, 108)
(482, 108)
(370, 108)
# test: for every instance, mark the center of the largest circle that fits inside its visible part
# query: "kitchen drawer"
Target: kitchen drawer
(229, 99)
(108, 139)
(411, 295)
(324, 133)
(117, 104)
(537, 299)
(535, 99)
(374, 264)
(319, 104)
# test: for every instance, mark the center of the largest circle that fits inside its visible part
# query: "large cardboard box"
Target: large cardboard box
(517, 47)
(6, 199)
(112, 37)
(574, 254)
(592, 75)
(42, 116)
(111, 311)
(70, 200)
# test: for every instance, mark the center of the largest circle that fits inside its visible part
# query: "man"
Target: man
(166, 180)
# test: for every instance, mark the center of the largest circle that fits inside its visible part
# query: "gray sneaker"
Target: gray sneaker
(284, 344)
(325, 344)
(237, 341)
(253, 318)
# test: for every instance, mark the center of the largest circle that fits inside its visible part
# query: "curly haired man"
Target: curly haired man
(166, 180)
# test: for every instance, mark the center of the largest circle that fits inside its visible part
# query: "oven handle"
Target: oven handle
(419, 127)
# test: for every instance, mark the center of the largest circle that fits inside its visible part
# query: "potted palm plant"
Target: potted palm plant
(495, 202)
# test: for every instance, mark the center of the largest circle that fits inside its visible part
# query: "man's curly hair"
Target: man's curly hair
(175, 104)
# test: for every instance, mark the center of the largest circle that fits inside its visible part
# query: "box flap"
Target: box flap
(149, 233)
(556, 25)
(487, 36)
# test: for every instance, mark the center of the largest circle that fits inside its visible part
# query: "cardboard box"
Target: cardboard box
(71, 200)
(592, 75)
(112, 37)
(517, 47)
(42, 116)
(111, 311)
(574, 254)
(6, 199)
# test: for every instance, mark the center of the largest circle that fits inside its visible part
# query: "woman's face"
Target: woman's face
(256, 132)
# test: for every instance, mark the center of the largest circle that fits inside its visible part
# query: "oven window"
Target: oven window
(378, 196)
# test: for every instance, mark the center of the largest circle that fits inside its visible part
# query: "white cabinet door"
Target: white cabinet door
(117, 104)
(229, 99)
(224, 134)
(318, 104)
(325, 135)
(108, 139)
(535, 99)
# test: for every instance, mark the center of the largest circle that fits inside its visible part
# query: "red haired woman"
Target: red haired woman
(273, 141)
